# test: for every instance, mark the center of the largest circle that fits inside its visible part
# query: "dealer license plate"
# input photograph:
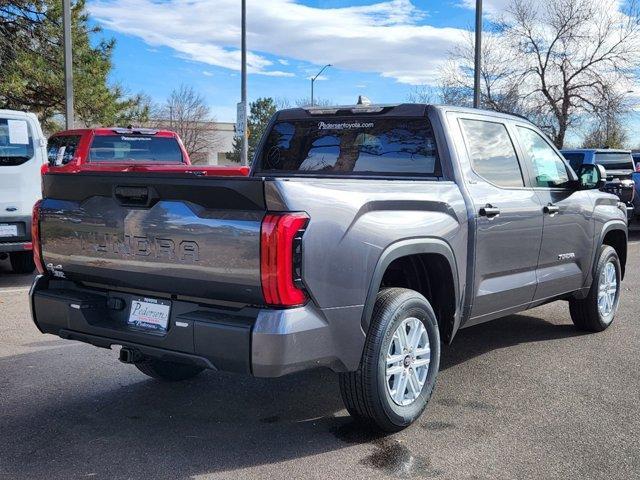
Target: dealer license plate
(8, 230)
(149, 313)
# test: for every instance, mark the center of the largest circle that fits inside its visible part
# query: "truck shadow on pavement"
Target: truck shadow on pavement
(10, 280)
(81, 414)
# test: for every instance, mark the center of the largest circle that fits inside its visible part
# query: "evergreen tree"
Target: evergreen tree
(32, 66)
(260, 114)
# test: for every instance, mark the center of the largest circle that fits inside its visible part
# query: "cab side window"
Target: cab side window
(549, 169)
(61, 150)
(492, 153)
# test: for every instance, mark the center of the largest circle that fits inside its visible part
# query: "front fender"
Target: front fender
(609, 227)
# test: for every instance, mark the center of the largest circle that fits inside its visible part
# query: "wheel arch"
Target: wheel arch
(615, 234)
(411, 248)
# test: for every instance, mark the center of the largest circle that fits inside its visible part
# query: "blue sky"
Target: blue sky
(383, 49)
(156, 51)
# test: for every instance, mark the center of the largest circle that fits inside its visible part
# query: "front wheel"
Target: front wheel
(597, 312)
(400, 364)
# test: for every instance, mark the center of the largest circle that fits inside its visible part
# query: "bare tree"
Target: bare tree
(553, 61)
(283, 102)
(500, 88)
(187, 114)
(573, 52)
(608, 128)
(424, 94)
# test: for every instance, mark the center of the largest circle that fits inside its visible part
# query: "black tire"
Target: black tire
(168, 371)
(585, 313)
(364, 392)
(22, 262)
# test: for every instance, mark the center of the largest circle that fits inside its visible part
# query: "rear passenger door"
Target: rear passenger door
(508, 219)
(567, 241)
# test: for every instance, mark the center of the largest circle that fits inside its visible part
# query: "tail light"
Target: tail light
(35, 237)
(638, 167)
(280, 259)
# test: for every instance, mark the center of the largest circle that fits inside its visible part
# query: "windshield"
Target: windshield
(615, 161)
(16, 143)
(135, 148)
(342, 146)
(575, 160)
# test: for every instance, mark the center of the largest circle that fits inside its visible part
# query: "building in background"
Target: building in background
(219, 142)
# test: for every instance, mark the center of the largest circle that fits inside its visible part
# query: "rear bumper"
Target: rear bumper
(6, 247)
(18, 243)
(631, 209)
(636, 204)
(261, 342)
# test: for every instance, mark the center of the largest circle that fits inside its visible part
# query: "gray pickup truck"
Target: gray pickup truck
(363, 238)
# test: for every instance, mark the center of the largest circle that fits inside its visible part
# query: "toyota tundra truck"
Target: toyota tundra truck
(363, 238)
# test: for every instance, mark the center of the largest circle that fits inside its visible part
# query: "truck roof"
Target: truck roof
(392, 110)
(17, 114)
(594, 150)
(104, 131)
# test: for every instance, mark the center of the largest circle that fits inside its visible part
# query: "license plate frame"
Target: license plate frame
(149, 314)
(8, 230)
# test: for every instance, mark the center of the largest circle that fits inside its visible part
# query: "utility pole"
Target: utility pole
(68, 63)
(313, 81)
(244, 159)
(478, 60)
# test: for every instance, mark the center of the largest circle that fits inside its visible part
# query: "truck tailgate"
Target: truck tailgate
(182, 235)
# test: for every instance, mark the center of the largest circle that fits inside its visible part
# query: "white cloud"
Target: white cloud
(383, 37)
(488, 6)
(207, 73)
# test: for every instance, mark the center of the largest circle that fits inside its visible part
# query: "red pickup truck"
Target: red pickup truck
(125, 150)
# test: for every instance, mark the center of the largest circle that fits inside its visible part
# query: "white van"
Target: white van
(22, 154)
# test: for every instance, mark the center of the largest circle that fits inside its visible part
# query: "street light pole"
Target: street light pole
(313, 80)
(68, 63)
(245, 140)
(478, 57)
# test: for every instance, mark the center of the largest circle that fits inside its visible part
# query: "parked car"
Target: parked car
(364, 237)
(125, 150)
(22, 154)
(620, 169)
(636, 180)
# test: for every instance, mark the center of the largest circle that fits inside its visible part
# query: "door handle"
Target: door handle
(489, 211)
(552, 209)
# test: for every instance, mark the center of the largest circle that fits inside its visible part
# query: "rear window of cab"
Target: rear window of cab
(352, 146)
(135, 148)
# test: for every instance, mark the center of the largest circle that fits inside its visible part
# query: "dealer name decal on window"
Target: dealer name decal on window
(344, 126)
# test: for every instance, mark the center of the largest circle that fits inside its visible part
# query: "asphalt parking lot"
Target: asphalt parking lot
(523, 397)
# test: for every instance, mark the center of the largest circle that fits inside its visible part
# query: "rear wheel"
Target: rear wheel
(398, 370)
(168, 371)
(22, 262)
(597, 312)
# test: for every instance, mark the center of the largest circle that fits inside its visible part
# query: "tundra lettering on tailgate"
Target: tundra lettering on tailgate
(138, 246)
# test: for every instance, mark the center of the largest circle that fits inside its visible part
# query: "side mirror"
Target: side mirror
(592, 177)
